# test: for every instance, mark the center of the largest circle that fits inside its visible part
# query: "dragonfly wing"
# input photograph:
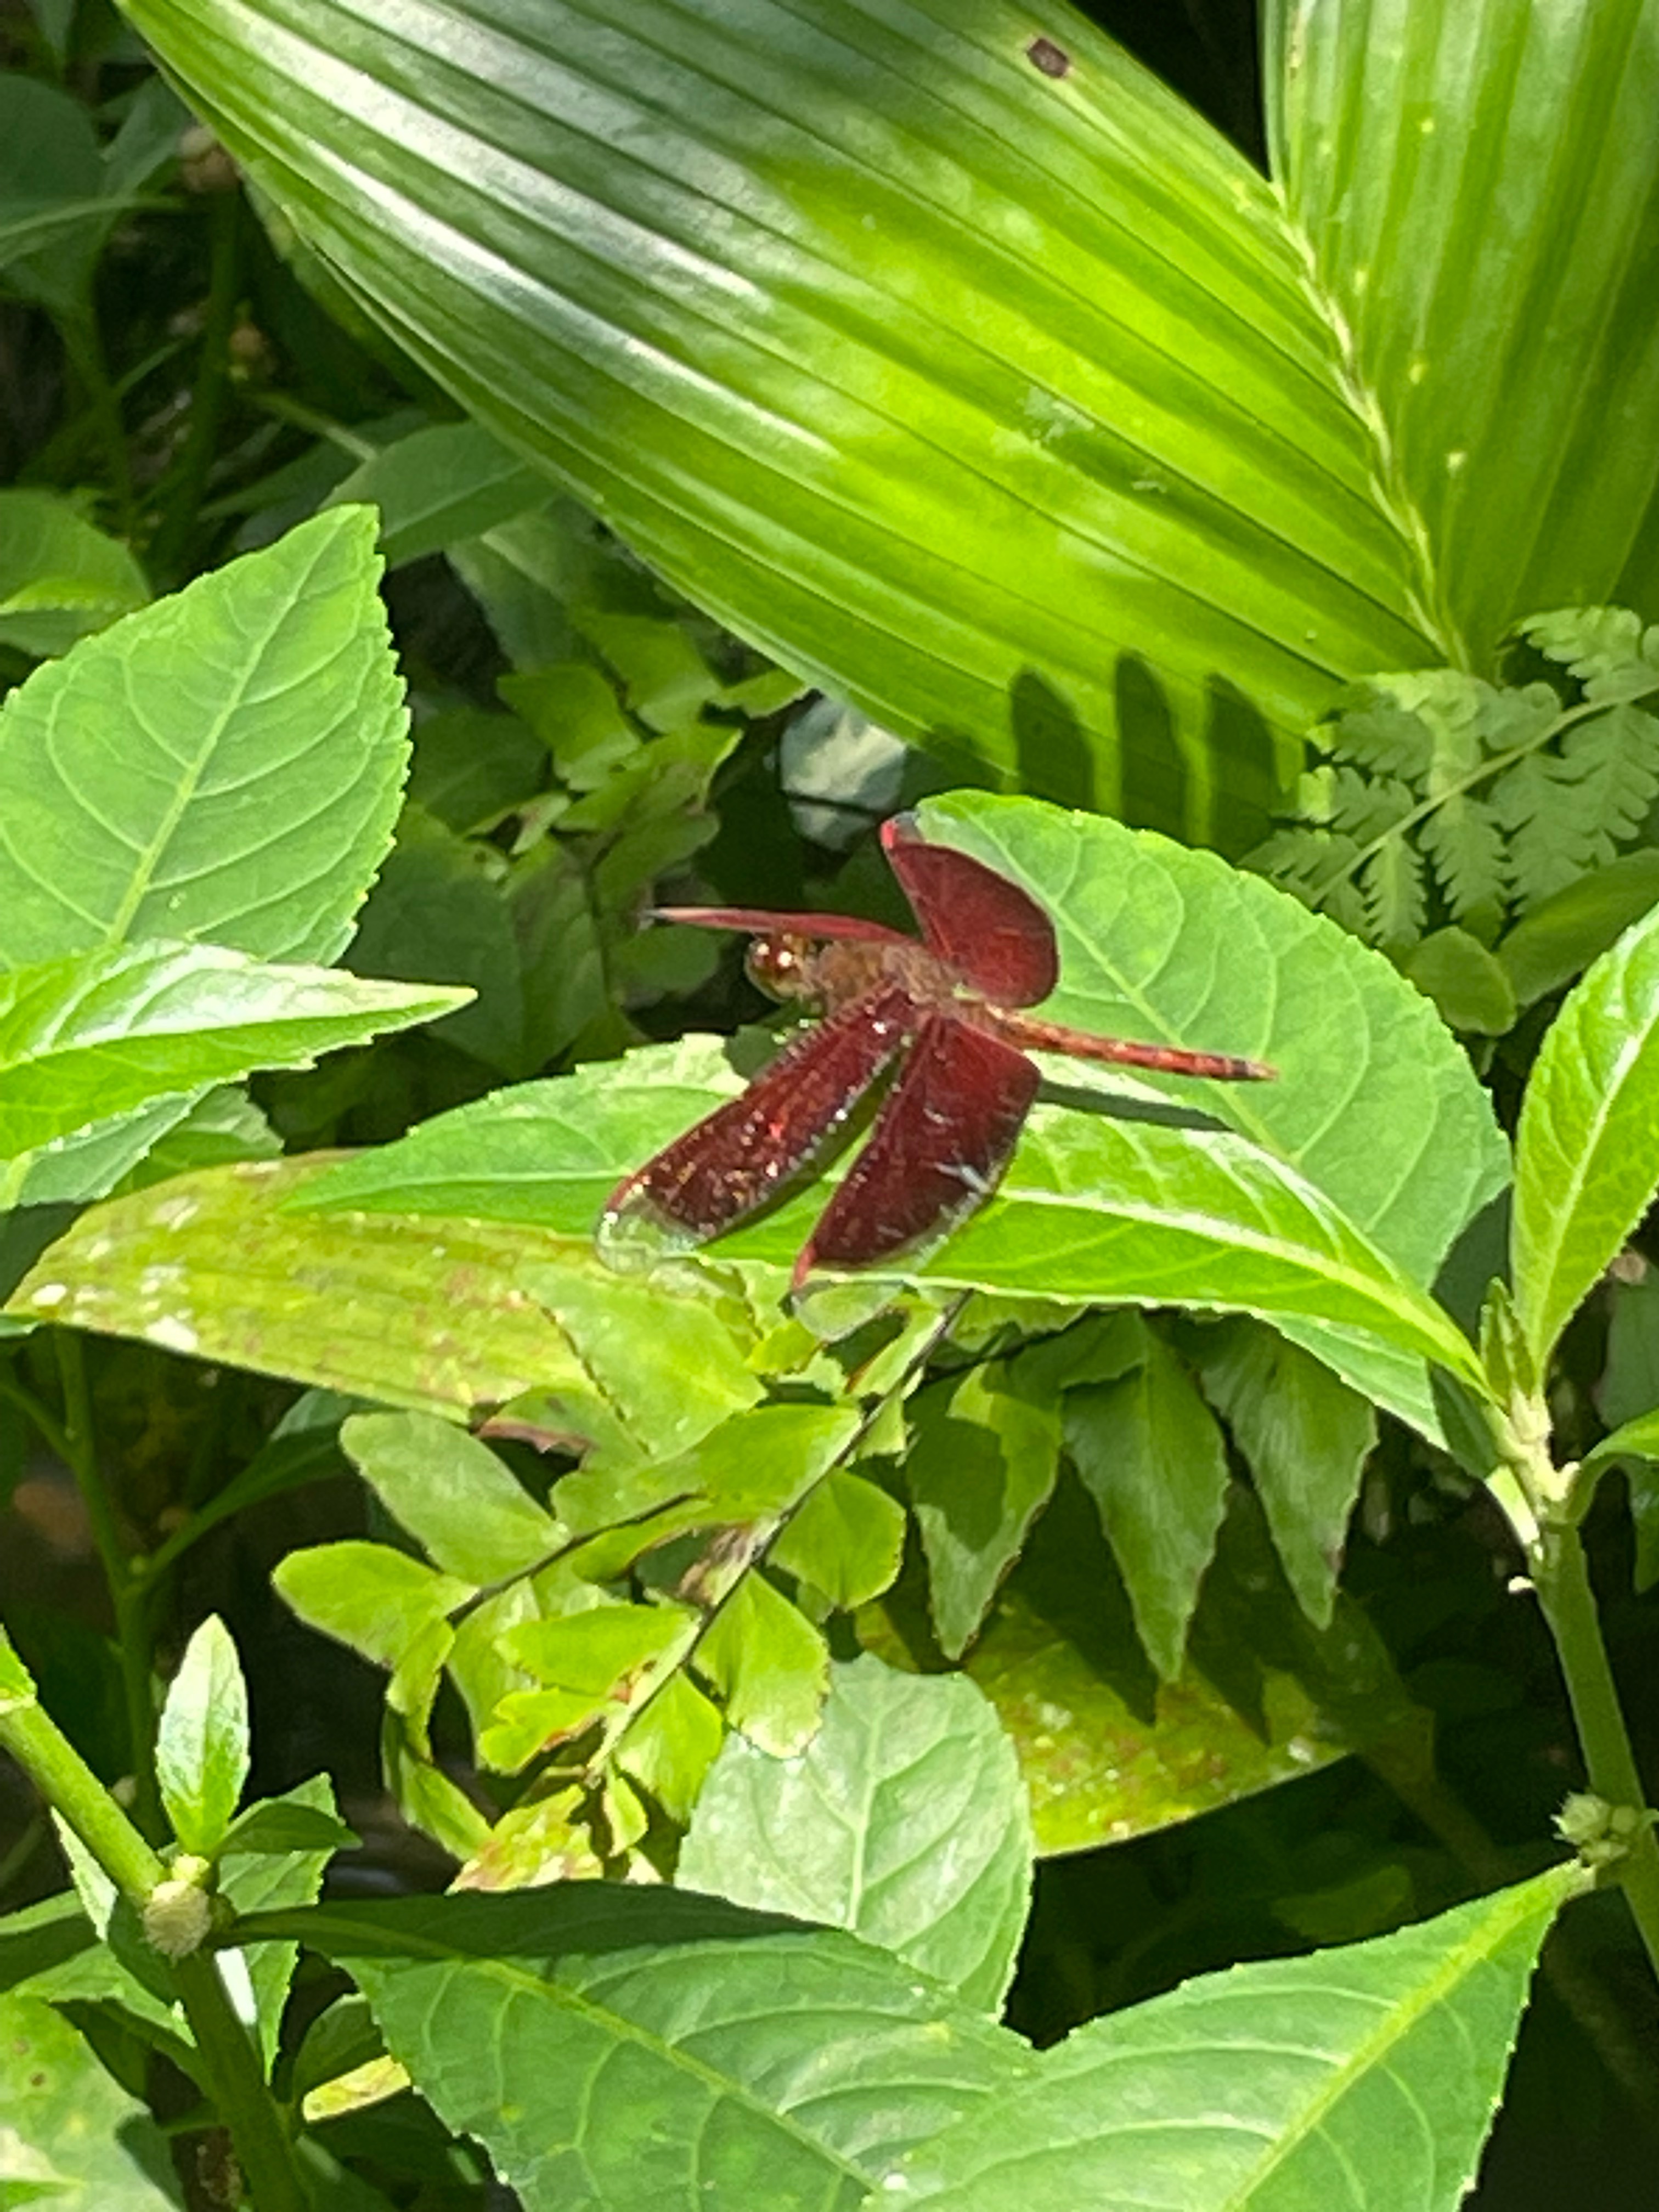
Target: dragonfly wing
(940, 1142)
(739, 1156)
(760, 922)
(996, 936)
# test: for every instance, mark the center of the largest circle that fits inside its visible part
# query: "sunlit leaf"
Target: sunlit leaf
(997, 401)
(1587, 1149)
(105, 1033)
(202, 1739)
(451, 1493)
(764, 2062)
(905, 1820)
(225, 764)
(770, 1664)
(1362, 2076)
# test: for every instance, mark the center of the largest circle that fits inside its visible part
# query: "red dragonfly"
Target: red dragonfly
(947, 1003)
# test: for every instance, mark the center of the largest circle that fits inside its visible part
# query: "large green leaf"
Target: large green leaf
(71, 2135)
(1016, 404)
(1479, 183)
(998, 400)
(633, 2048)
(1151, 1455)
(1587, 1151)
(1363, 2079)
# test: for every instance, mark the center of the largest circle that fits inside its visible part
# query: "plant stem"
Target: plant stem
(74, 1791)
(84, 347)
(1562, 1578)
(224, 2051)
(184, 496)
(127, 1597)
(234, 2080)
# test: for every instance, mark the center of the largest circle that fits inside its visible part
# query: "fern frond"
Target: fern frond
(1465, 846)
(1363, 807)
(1391, 887)
(1439, 798)
(1551, 829)
(1452, 710)
(1615, 760)
(1301, 859)
(1380, 730)
(1607, 648)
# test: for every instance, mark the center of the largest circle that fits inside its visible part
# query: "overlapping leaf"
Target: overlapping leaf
(1375, 1105)
(401, 1310)
(905, 1820)
(103, 1034)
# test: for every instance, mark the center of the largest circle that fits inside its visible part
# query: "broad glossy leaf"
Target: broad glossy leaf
(103, 1033)
(1305, 1436)
(225, 764)
(451, 1493)
(1374, 1104)
(997, 401)
(1587, 1149)
(1363, 2079)
(201, 1742)
(1453, 167)
(626, 2047)
(1151, 1455)
(905, 1820)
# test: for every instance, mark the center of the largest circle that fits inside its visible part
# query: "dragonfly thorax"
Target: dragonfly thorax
(835, 972)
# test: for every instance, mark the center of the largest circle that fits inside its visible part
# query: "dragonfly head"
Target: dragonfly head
(783, 964)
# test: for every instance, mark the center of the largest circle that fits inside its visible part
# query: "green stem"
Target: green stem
(224, 2051)
(234, 2080)
(1561, 1576)
(70, 1786)
(185, 494)
(127, 1597)
(85, 348)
